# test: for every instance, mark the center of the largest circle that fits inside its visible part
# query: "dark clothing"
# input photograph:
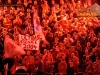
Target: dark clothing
(10, 64)
(70, 71)
(1, 64)
(56, 66)
(49, 37)
(82, 40)
(40, 66)
(40, 73)
(9, 61)
(47, 46)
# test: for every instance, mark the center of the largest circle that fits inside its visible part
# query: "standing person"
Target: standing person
(89, 64)
(28, 61)
(40, 66)
(17, 21)
(10, 62)
(78, 48)
(7, 23)
(1, 64)
(62, 66)
(97, 62)
(17, 63)
(70, 70)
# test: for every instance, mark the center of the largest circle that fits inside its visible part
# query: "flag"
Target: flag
(37, 26)
(11, 48)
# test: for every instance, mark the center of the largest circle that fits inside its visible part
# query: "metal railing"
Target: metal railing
(21, 74)
(58, 74)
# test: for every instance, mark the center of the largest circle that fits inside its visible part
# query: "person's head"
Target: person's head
(53, 2)
(31, 32)
(11, 11)
(39, 57)
(56, 25)
(98, 35)
(85, 5)
(25, 1)
(45, 2)
(78, 42)
(71, 15)
(28, 53)
(63, 59)
(35, 2)
(45, 51)
(0, 25)
(57, 48)
(61, 45)
(5, 8)
(6, 17)
(9, 1)
(56, 39)
(74, 34)
(17, 56)
(68, 36)
(98, 43)
(79, 2)
(23, 31)
(87, 57)
(49, 30)
(28, 10)
(98, 39)
(38, 51)
(88, 44)
(17, 16)
(72, 48)
(97, 59)
(4, 31)
(72, 55)
(61, 1)
(18, 8)
(19, 1)
(30, 1)
(86, 51)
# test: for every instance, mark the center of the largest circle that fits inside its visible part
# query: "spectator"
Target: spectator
(72, 41)
(62, 66)
(40, 66)
(28, 61)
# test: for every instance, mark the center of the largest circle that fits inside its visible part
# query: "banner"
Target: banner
(37, 26)
(29, 42)
(11, 48)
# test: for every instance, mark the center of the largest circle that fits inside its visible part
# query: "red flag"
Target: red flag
(11, 48)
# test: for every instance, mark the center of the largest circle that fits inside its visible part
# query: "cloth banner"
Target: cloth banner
(11, 48)
(29, 42)
(37, 26)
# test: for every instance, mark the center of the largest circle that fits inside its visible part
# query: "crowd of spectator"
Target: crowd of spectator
(72, 42)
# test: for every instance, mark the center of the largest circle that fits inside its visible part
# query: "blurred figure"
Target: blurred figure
(89, 64)
(29, 62)
(62, 66)
(17, 22)
(7, 23)
(19, 2)
(49, 62)
(17, 63)
(45, 8)
(40, 65)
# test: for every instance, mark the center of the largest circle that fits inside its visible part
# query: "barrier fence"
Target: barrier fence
(58, 74)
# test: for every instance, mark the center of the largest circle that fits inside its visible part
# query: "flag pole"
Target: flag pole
(6, 69)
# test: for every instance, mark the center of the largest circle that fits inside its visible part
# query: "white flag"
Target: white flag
(37, 26)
